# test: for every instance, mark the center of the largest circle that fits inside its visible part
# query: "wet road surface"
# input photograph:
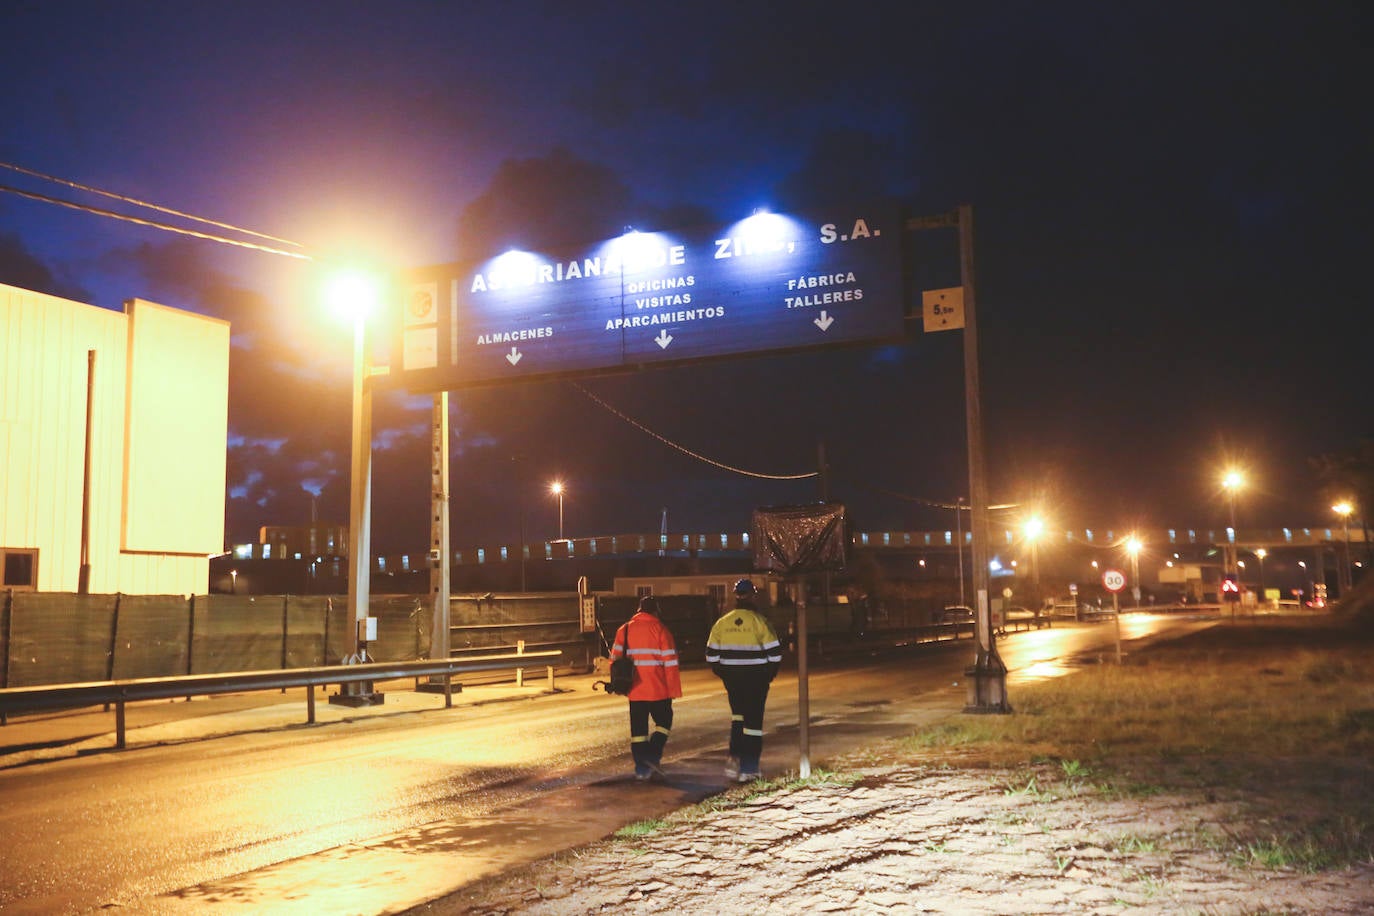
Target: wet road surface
(378, 814)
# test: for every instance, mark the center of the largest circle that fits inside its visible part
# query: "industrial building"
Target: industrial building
(113, 433)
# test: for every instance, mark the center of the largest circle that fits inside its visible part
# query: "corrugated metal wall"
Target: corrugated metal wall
(44, 342)
(43, 359)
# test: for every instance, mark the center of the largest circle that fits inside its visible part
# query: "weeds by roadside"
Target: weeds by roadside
(734, 798)
(1278, 721)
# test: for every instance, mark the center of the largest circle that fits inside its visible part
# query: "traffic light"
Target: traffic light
(1230, 588)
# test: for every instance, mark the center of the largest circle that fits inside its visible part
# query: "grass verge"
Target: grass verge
(1274, 717)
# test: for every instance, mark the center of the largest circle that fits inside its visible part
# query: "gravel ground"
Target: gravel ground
(926, 840)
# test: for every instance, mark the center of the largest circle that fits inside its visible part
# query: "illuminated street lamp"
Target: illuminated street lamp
(354, 295)
(1133, 545)
(1260, 554)
(556, 488)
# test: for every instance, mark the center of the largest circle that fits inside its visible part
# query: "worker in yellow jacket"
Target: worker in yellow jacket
(744, 652)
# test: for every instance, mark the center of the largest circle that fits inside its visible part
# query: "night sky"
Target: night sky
(1172, 205)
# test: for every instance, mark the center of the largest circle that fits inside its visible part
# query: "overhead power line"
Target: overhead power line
(686, 451)
(936, 503)
(143, 203)
(166, 227)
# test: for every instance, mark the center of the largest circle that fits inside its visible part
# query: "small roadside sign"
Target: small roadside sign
(943, 309)
(1114, 580)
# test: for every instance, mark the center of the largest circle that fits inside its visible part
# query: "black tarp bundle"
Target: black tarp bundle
(790, 540)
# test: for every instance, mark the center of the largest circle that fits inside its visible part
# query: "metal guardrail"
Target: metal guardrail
(1013, 622)
(117, 693)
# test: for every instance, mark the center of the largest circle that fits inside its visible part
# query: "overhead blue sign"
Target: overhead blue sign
(770, 282)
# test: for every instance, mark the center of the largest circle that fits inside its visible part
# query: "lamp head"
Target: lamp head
(353, 294)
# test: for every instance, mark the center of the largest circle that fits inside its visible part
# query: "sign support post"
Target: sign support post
(439, 553)
(1114, 580)
(950, 309)
(988, 685)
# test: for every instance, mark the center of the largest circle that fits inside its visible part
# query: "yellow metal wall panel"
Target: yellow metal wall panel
(161, 573)
(176, 431)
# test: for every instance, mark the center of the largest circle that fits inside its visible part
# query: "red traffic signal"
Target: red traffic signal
(1230, 588)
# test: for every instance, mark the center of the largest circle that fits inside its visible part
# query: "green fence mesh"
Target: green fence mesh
(48, 638)
(305, 631)
(237, 633)
(59, 638)
(150, 636)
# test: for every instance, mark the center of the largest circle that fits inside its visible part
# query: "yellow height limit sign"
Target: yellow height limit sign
(943, 309)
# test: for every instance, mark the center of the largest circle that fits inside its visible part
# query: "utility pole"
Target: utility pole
(988, 687)
(987, 678)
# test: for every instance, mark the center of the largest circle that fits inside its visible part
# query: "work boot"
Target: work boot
(748, 776)
(732, 768)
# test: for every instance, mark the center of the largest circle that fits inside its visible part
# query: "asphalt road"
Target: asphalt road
(381, 813)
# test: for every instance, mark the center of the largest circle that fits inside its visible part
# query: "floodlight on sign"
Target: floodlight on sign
(763, 233)
(511, 270)
(637, 252)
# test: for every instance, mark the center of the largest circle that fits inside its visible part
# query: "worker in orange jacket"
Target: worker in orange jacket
(657, 682)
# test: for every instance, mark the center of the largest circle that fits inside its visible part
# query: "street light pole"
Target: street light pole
(1034, 528)
(557, 489)
(1344, 576)
(959, 545)
(1133, 546)
(357, 295)
(1231, 482)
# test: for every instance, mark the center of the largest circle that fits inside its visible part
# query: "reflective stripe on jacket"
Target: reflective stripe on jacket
(741, 640)
(654, 652)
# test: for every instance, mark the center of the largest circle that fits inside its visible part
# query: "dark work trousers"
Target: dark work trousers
(646, 746)
(748, 692)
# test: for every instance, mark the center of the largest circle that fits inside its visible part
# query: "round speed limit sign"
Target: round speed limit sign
(1114, 580)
